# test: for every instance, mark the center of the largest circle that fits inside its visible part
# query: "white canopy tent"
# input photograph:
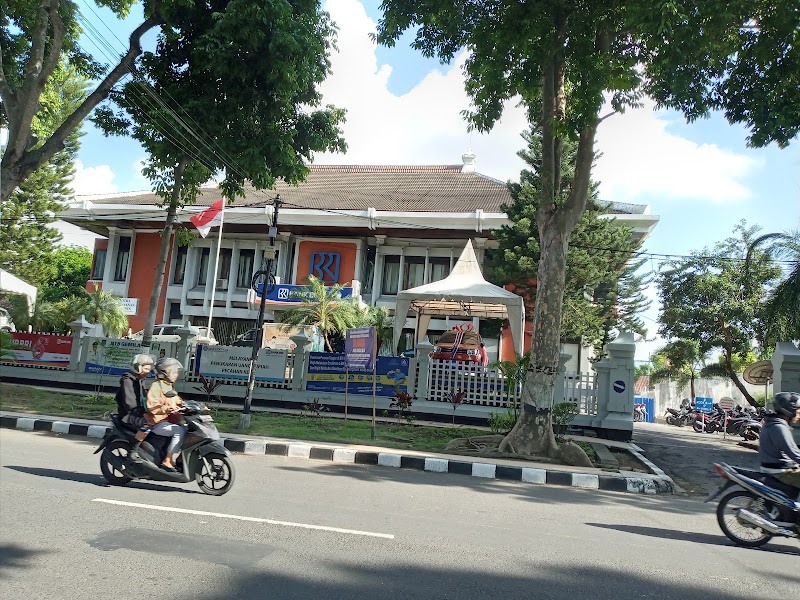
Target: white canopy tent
(462, 293)
(10, 284)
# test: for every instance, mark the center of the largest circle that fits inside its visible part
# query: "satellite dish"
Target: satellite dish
(759, 373)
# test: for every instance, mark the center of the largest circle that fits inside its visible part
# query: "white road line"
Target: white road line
(204, 513)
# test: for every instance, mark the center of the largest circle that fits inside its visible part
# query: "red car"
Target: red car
(469, 350)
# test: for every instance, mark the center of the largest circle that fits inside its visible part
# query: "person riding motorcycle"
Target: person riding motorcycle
(163, 404)
(130, 399)
(777, 450)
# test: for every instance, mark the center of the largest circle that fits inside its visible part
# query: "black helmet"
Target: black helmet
(162, 364)
(786, 404)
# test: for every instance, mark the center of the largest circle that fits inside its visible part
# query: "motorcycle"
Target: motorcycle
(680, 417)
(758, 509)
(203, 458)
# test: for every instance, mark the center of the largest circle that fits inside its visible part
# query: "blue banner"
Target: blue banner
(294, 294)
(326, 373)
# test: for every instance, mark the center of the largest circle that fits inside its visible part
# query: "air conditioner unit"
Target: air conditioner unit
(222, 284)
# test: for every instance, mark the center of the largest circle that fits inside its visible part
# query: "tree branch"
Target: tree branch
(55, 143)
(7, 95)
(59, 31)
(560, 96)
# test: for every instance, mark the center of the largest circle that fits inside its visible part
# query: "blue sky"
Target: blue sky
(701, 178)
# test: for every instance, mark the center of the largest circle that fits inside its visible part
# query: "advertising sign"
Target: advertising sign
(360, 348)
(294, 294)
(113, 357)
(233, 362)
(326, 373)
(41, 350)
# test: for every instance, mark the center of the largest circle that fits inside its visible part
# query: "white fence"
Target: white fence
(581, 390)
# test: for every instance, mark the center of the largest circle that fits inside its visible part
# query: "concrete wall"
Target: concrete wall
(667, 395)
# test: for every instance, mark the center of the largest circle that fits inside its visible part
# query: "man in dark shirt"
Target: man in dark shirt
(130, 398)
(777, 450)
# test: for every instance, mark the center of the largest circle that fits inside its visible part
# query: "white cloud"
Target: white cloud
(639, 156)
(93, 180)
(424, 126)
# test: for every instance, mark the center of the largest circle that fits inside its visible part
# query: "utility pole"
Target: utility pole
(265, 277)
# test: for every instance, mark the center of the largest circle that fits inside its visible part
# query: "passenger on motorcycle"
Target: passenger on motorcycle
(163, 404)
(777, 450)
(130, 399)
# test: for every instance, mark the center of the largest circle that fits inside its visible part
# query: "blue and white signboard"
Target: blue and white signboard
(233, 362)
(703, 404)
(294, 294)
(360, 348)
(326, 373)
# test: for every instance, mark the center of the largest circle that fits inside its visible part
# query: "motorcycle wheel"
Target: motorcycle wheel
(736, 530)
(219, 478)
(112, 475)
(698, 426)
(671, 420)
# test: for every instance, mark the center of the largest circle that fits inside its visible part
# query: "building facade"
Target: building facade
(376, 230)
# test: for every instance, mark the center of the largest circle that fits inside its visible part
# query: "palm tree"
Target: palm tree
(781, 314)
(378, 317)
(102, 307)
(325, 308)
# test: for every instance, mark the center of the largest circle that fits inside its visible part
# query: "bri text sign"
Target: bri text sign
(40, 350)
(294, 293)
(326, 373)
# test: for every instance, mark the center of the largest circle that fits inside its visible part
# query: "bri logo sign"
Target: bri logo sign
(325, 266)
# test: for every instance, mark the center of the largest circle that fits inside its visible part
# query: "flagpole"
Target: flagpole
(216, 268)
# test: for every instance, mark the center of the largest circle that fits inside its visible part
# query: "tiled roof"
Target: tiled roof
(442, 188)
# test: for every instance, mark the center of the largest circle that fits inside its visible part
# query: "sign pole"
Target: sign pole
(346, 386)
(268, 283)
(374, 386)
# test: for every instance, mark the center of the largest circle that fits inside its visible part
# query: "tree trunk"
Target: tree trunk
(691, 386)
(166, 239)
(735, 378)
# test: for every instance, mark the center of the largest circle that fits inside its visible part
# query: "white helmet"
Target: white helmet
(141, 360)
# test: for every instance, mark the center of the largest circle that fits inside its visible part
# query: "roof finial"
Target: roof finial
(468, 159)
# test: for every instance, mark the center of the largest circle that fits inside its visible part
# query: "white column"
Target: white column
(402, 264)
(111, 256)
(209, 283)
(233, 274)
(376, 280)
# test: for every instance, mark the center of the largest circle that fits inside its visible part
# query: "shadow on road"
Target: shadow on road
(13, 556)
(97, 480)
(539, 494)
(691, 536)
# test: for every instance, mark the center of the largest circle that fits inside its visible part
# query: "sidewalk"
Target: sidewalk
(507, 469)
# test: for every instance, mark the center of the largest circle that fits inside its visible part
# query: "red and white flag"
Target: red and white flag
(209, 218)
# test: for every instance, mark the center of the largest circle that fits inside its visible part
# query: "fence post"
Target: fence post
(302, 348)
(558, 392)
(80, 328)
(615, 389)
(786, 368)
(184, 350)
(424, 350)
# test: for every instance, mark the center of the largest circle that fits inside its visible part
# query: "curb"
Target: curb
(660, 484)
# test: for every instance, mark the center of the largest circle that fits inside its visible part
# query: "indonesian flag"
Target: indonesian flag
(209, 218)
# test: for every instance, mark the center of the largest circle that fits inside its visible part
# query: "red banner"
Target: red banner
(40, 349)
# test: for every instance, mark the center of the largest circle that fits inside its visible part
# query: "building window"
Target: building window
(202, 271)
(391, 275)
(413, 272)
(369, 271)
(245, 275)
(224, 268)
(175, 315)
(180, 265)
(123, 255)
(99, 265)
(440, 268)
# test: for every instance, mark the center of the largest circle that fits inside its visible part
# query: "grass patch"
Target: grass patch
(20, 398)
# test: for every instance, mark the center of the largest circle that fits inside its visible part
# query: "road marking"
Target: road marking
(387, 536)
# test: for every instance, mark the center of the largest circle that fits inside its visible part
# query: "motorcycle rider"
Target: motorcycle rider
(777, 450)
(130, 399)
(163, 403)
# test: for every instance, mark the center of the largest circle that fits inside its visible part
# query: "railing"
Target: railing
(581, 389)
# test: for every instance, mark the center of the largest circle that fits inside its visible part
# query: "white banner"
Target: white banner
(130, 305)
(233, 362)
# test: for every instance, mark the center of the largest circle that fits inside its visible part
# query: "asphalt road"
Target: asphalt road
(688, 457)
(391, 534)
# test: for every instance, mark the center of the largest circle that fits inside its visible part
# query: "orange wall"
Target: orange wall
(346, 250)
(99, 244)
(146, 249)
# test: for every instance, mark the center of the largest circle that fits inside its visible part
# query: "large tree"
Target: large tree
(709, 297)
(782, 309)
(36, 37)
(231, 90)
(27, 237)
(602, 291)
(73, 266)
(563, 60)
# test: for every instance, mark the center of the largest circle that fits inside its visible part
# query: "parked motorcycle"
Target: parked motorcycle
(681, 417)
(755, 507)
(203, 458)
